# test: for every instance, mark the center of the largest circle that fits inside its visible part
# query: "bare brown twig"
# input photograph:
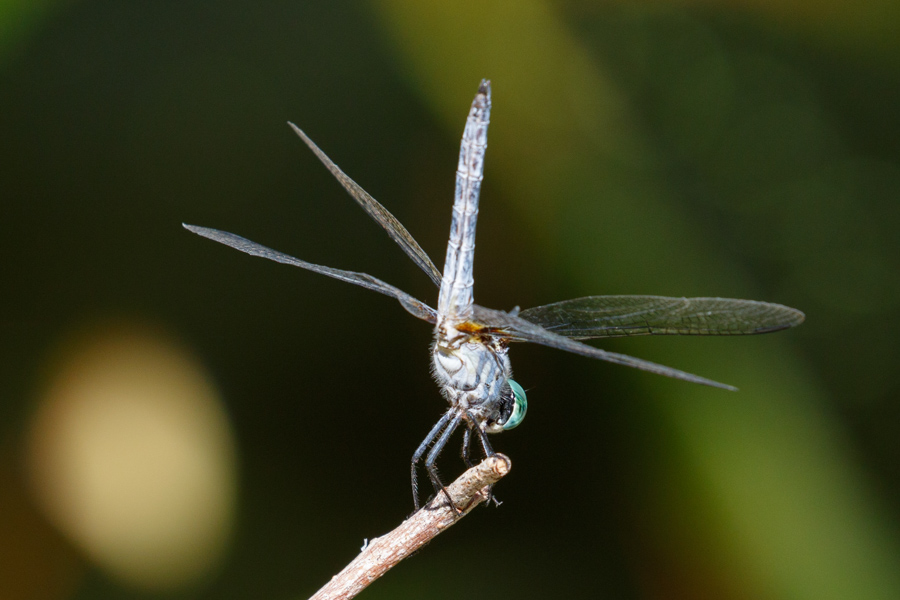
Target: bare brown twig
(382, 553)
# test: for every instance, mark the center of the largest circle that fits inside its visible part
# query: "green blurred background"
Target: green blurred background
(178, 420)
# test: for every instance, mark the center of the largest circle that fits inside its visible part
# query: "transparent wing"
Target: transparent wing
(375, 210)
(519, 330)
(413, 306)
(617, 316)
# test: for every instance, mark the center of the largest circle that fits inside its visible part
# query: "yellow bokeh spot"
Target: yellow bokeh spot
(132, 457)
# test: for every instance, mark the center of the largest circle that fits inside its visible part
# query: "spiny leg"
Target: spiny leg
(485, 443)
(467, 438)
(421, 450)
(435, 451)
(488, 452)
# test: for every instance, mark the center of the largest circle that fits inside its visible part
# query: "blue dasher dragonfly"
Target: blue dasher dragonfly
(471, 343)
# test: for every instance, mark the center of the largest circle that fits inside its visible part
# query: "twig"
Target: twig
(382, 553)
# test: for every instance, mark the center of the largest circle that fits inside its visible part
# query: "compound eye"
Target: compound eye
(520, 405)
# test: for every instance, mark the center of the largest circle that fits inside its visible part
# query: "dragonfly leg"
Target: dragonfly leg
(436, 450)
(488, 452)
(467, 438)
(420, 451)
(485, 443)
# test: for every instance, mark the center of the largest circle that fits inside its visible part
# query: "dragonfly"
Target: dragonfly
(471, 343)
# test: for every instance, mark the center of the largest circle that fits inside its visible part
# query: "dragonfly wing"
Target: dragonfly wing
(520, 330)
(412, 305)
(375, 210)
(616, 316)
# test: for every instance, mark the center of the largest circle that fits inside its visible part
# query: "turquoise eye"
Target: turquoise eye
(519, 407)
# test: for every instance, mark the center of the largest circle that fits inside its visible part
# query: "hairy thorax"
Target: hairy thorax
(471, 367)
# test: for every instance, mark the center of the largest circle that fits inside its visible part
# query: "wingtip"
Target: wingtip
(715, 384)
(201, 231)
(485, 87)
(792, 316)
(297, 130)
(712, 383)
(302, 135)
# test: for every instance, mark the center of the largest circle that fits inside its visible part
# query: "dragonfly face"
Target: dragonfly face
(469, 355)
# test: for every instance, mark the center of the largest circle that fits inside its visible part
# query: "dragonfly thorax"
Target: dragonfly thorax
(473, 370)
